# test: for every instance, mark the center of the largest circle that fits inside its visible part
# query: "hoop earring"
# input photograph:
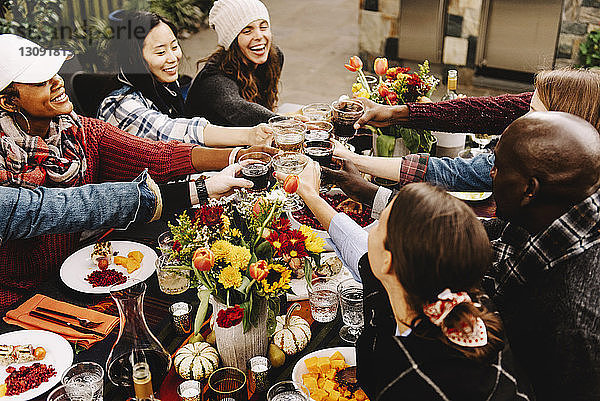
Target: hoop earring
(26, 120)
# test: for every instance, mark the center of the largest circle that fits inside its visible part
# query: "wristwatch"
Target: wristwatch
(201, 191)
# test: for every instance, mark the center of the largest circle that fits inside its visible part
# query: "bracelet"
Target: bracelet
(201, 191)
(233, 154)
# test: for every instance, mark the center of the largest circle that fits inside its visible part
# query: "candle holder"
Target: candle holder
(258, 374)
(190, 390)
(227, 383)
(180, 312)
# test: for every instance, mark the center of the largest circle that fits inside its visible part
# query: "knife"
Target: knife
(54, 312)
(52, 319)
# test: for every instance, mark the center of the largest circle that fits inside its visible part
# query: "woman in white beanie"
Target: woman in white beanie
(238, 84)
(149, 103)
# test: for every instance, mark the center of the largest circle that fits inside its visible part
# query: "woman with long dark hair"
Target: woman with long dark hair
(428, 333)
(149, 103)
(239, 82)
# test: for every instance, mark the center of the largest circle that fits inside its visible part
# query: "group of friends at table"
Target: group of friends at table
(455, 308)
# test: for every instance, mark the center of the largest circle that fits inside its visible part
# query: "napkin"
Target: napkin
(20, 317)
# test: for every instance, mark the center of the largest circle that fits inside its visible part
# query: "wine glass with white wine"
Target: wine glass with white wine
(482, 140)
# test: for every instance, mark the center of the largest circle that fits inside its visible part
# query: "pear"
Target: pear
(196, 338)
(276, 356)
(212, 338)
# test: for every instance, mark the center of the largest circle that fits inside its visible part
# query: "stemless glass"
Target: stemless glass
(345, 113)
(165, 242)
(290, 163)
(172, 279)
(323, 299)
(317, 111)
(71, 392)
(227, 384)
(87, 374)
(288, 391)
(351, 303)
(256, 167)
(318, 130)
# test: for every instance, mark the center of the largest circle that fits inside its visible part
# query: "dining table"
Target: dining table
(156, 311)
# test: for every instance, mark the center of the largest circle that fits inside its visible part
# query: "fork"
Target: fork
(82, 321)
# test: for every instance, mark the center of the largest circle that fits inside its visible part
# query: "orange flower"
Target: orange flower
(259, 270)
(380, 66)
(354, 64)
(203, 259)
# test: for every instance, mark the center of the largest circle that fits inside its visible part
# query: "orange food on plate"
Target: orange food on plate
(121, 260)
(132, 265)
(321, 380)
(137, 255)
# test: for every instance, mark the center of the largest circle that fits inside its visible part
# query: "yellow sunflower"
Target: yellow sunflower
(278, 279)
(230, 277)
(313, 242)
(239, 257)
(221, 249)
(226, 223)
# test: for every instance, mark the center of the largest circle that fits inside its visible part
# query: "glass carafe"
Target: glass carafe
(135, 342)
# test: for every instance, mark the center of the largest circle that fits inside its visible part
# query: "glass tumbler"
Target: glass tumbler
(317, 111)
(290, 163)
(173, 278)
(350, 293)
(227, 384)
(88, 374)
(256, 167)
(323, 299)
(71, 392)
(288, 391)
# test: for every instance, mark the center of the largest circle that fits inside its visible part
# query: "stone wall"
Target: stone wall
(578, 18)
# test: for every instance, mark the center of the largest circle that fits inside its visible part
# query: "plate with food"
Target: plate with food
(471, 196)
(33, 362)
(329, 373)
(331, 266)
(95, 268)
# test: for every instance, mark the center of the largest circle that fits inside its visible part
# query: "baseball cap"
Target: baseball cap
(25, 62)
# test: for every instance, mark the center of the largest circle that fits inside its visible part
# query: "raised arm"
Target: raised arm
(486, 114)
(134, 114)
(28, 213)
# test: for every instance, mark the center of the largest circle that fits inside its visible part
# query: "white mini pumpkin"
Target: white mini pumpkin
(292, 333)
(196, 361)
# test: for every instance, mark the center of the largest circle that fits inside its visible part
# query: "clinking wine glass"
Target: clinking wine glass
(350, 293)
(482, 140)
(290, 163)
(256, 167)
(345, 113)
(318, 130)
(320, 151)
(317, 111)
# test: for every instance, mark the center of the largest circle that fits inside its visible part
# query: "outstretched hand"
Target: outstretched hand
(348, 178)
(380, 115)
(225, 181)
(261, 134)
(309, 179)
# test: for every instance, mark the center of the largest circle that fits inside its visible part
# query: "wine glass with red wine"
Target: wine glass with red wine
(344, 114)
(320, 151)
(256, 167)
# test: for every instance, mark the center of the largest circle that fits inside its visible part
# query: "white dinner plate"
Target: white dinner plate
(300, 369)
(471, 196)
(59, 354)
(76, 267)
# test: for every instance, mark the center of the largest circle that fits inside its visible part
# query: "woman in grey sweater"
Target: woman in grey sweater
(238, 84)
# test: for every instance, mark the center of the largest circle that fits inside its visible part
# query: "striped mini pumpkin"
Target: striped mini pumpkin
(196, 361)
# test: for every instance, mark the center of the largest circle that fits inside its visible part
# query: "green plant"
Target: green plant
(187, 15)
(91, 43)
(36, 20)
(589, 50)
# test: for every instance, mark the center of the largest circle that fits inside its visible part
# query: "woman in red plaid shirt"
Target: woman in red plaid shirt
(42, 142)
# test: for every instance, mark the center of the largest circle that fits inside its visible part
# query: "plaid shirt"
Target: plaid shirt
(132, 112)
(570, 235)
(413, 168)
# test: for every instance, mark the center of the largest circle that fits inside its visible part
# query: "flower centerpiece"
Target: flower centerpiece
(243, 254)
(397, 85)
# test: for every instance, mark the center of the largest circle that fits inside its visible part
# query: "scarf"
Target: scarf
(30, 161)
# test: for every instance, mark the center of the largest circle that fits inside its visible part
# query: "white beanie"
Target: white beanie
(229, 17)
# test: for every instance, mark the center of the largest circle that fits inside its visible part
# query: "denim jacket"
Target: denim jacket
(461, 174)
(28, 213)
